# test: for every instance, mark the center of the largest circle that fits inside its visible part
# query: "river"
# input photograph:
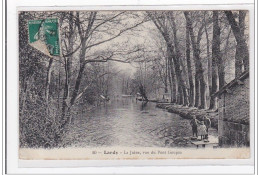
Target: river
(127, 122)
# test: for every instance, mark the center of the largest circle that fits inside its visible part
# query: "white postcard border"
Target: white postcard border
(12, 93)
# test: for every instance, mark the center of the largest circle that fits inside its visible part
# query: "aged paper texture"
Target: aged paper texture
(104, 85)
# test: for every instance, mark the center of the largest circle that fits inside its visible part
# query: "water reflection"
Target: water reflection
(143, 106)
(124, 122)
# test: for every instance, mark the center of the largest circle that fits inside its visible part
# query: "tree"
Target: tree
(173, 57)
(242, 54)
(68, 49)
(183, 73)
(190, 76)
(216, 58)
(199, 77)
(87, 31)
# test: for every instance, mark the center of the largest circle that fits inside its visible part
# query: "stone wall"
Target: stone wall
(233, 134)
(234, 116)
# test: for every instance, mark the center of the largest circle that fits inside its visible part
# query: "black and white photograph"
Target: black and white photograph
(134, 84)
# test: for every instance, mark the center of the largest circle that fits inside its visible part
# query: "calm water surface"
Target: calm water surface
(127, 122)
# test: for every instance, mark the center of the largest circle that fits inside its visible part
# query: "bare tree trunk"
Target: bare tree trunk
(177, 71)
(67, 66)
(175, 64)
(238, 55)
(184, 84)
(179, 82)
(197, 90)
(216, 50)
(165, 77)
(172, 80)
(215, 57)
(183, 72)
(242, 54)
(198, 65)
(191, 84)
(66, 89)
(48, 80)
(71, 44)
(175, 60)
(242, 15)
(79, 77)
(84, 37)
(209, 82)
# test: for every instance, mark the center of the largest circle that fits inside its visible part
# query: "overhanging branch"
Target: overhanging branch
(119, 34)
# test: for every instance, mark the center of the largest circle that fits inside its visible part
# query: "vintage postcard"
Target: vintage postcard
(156, 84)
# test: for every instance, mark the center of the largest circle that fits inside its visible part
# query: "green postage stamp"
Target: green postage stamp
(44, 36)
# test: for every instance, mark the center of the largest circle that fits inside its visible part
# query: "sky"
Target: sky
(142, 36)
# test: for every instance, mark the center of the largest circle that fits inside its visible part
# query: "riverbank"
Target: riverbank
(129, 123)
(189, 112)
